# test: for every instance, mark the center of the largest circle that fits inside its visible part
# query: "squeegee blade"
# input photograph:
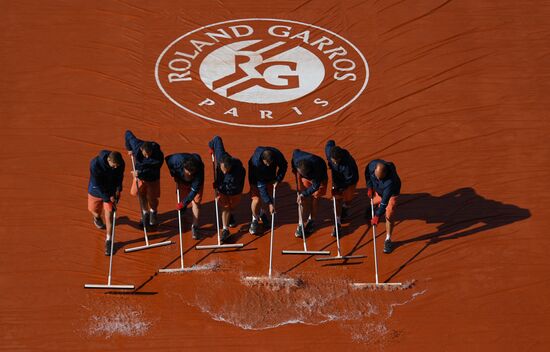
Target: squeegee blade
(152, 245)
(118, 287)
(341, 257)
(216, 246)
(306, 252)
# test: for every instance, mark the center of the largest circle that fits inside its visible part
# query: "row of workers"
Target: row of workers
(266, 168)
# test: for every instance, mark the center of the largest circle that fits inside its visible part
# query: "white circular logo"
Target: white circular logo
(261, 72)
(236, 72)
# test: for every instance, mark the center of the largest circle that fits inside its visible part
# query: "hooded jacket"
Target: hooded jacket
(386, 188)
(317, 173)
(148, 168)
(175, 163)
(104, 180)
(345, 173)
(260, 175)
(231, 183)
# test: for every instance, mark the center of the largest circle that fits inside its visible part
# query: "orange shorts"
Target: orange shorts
(255, 191)
(185, 189)
(229, 201)
(96, 204)
(304, 183)
(347, 194)
(392, 204)
(151, 189)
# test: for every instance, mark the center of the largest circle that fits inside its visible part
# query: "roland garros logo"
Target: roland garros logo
(261, 72)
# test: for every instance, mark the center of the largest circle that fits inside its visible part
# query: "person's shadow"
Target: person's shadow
(460, 213)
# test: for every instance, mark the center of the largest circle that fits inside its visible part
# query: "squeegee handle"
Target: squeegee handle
(272, 230)
(374, 242)
(336, 222)
(300, 215)
(139, 201)
(214, 170)
(216, 198)
(179, 225)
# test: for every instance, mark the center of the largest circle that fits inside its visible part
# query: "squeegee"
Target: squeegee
(109, 285)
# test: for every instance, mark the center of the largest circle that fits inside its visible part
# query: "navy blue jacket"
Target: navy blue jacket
(317, 173)
(148, 169)
(175, 165)
(260, 174)
(231, 183)
(345, 173)
(104, 180)
(386, 188)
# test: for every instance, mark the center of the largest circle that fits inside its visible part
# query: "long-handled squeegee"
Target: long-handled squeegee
(301, 224)
(339, 256)
(109, 285)
(377, 284)
(181, 268)
(219, 245)
(270, 278)
(147, 244)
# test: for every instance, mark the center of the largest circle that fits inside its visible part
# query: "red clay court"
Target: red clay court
(452, 92)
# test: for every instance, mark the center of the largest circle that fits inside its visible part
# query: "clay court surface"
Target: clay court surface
(456, 98)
